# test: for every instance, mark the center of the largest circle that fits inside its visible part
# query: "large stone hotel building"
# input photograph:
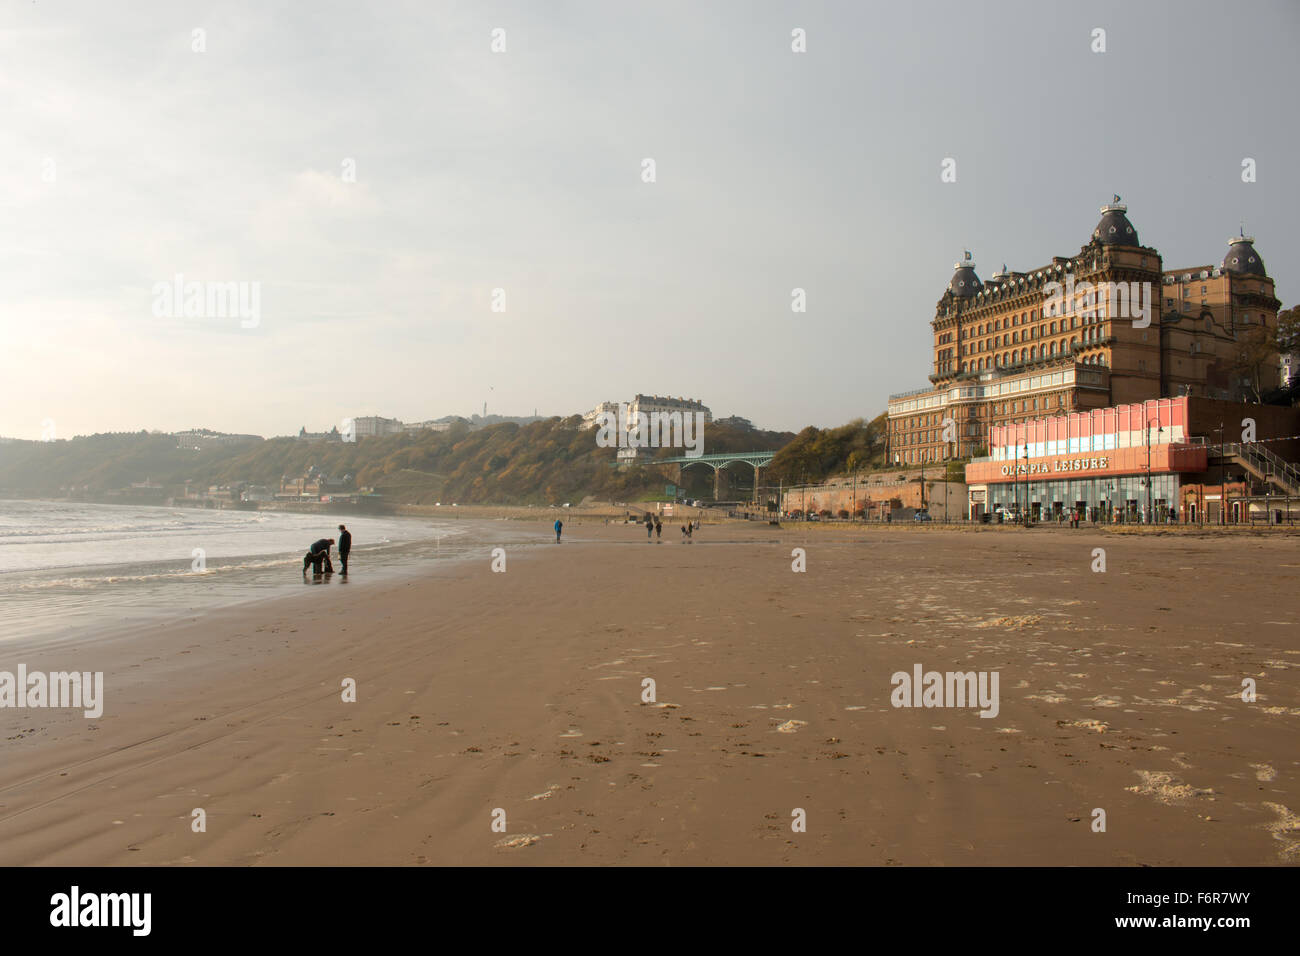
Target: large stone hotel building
(1059, 339)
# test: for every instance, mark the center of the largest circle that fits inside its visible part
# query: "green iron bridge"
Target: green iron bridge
(757, 460)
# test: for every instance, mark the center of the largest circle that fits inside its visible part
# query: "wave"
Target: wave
(82, 582)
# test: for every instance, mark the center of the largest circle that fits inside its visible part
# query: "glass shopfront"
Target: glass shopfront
(1121, 498)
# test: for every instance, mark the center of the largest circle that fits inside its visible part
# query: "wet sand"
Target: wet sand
(522, 692)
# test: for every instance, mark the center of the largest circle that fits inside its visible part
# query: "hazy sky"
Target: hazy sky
(126, 158)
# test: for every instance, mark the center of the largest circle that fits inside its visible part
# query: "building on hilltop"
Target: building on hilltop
(736, 422)
(649, 405)
(436, 425)
(1108, 326)
(592, 418)
(332, 435)
(371, 426)
(200, 438)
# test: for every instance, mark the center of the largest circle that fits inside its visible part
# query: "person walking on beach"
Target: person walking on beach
(559, 525)
(317, 555)
(649, 527)
(659, 529)
(345, 545)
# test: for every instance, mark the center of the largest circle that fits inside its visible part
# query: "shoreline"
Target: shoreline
(143, 583)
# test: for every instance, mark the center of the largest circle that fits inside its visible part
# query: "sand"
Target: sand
(516, 699)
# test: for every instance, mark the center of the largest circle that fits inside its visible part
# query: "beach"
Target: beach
(519, 698)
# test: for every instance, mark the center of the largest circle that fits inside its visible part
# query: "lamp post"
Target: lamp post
(854, 501)
(853, 467)
(924, 456)
(898, 462)
(1026, 480)
(1223, 501)
(1015, 482)
(1161, 429)
(945, 491)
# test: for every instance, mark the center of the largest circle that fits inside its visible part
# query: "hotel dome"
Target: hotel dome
(1114, 228)
(964, 281)
(1242, 257)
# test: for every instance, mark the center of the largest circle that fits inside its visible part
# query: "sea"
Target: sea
(71, 567)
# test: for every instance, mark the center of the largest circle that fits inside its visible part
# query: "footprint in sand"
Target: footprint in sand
(1263, 772)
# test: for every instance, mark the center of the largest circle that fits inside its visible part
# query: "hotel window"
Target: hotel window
(1053, 328)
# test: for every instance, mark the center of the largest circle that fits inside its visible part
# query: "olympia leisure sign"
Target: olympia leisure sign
(1070, 464)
